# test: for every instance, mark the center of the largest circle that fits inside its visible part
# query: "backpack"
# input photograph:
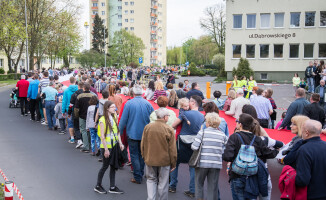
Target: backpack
(246, 162)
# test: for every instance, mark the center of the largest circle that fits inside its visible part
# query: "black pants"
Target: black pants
(105, 166)
(263, 123)
(23, 104)
(35, 107)
(76, 127)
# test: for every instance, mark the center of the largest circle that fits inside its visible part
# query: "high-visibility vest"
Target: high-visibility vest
(236, 84)
(243, 84)
(109, 136)
(251, 85)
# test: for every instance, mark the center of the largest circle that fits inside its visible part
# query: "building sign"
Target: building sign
(276, 35)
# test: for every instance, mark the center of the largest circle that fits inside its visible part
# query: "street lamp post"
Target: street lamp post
(27, 59)
(86, 25)
(186, 50)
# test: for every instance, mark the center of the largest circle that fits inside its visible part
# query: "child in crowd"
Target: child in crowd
(91, 125)
(183, 106)
(218, 101)
(302, 84)
(60, 117)
(280, 122)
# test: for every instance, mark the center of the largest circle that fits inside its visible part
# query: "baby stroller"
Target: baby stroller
(14, 103)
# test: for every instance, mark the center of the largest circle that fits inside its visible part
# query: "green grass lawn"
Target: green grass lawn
(8, 82)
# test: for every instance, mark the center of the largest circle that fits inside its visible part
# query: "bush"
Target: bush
(4, 77)
(243, 69)
(211, 66)
(211, 72)
(2, 71)
(219, 61)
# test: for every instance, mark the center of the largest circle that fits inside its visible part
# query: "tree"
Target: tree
(219, 61)
(90, 58)
(204, 49)
(215, 24)
(98, 32)
(173, 56)
(12, 32)
(243, 69)
(126, 48)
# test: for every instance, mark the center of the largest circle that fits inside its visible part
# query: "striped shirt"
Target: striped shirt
(213, 145)
(44, 83)
(158, 93)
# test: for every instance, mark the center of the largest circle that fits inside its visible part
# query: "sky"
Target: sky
(182, 19)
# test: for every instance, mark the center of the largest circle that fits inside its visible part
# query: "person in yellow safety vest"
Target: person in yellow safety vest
(251, 84)
(109, 133)
(244, 85)
(235, 83)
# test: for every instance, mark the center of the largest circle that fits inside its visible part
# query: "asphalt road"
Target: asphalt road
(45, 166)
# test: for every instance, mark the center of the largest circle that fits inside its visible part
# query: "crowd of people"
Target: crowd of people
(109, 112)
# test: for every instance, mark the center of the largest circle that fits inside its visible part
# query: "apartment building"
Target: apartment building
(145, 18)
(277, 37)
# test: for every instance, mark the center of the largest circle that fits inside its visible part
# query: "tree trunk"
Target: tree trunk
(9, 61)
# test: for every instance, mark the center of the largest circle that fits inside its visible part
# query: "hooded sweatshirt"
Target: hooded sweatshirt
(67, 96)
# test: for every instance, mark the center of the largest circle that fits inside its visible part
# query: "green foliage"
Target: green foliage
(126, 48)
(173, 56)
(211, 72)
(91, 58)
(192, 65)
(210, 66)
(4, 77)
(219, 61)
(243, 69)
(194, 71)
(98, 42)
(2, 71)
(220, 79)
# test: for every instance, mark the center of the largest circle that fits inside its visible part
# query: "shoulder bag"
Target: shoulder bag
(195, 157)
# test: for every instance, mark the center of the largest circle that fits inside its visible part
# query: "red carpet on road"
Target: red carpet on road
(284, 135)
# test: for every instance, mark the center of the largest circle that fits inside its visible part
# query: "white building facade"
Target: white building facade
(277, 37)
(145, 18)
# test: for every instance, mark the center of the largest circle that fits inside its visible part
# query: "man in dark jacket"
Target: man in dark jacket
(81, 107)
(314, 110)
(321, 90)
(73, 117)
(310, 74)
(180, 93)
(311, 162)
(232, 148)
(295, 108)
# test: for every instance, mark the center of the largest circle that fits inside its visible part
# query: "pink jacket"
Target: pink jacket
(287, 185)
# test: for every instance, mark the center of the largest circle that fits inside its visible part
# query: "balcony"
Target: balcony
(153, 49)
(153, 15)
(153, 32)
(154, 23)
(93, 16)
(154, 40)
(95, 8)
(155, 7)
(94, 0)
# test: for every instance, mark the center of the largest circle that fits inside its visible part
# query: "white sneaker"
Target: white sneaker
(79, 144)
(44, 123)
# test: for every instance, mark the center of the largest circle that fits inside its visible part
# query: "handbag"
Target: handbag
(195, 157)
(273, 115)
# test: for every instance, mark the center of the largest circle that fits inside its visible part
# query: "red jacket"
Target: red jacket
(22, 87)
(287, 185)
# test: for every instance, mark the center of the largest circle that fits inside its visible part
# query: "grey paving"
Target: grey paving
(45, 166)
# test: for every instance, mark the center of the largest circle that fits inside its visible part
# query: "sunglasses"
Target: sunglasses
(237, 121)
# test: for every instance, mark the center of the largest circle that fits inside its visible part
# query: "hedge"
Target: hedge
(4, 77)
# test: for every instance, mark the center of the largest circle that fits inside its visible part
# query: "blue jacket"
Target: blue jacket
(67, 96)
(295, 108)
(33, 89)
(135, 117)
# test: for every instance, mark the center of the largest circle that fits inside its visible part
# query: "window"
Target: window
(126, 11)
(322, 51)
(119, 7)
(250, 51)
(132, 11)
(126, 28)
(126, 20)
(237, 21)
(132, 20)
(1, 62)
(132, 28)
(294, 51)
(251, 21)
(309, 19)
(322, 18)
(103, 12)
(278, 50)
(308, 51)
(295, 20)
(103, 4)
(263, 76)
(279, 20)
(132, 3)
(119, 16)
(94, 4)
(265, 20)
(119, 24)
(95, 12)
(160, 5)
(126, 3)
(264, 50)
(236, 51)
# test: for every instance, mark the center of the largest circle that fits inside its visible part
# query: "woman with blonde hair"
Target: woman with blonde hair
(116, 99)
(159, 90)
(296, 142)
(231, 97)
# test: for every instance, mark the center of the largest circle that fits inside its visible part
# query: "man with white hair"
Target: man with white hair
(158, 148)
(237, 104)
(22, 87)
(135, 117)
(311, 162)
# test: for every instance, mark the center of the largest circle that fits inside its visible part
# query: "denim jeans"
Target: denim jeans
(311, 84)
(237, 188)
(82, 127)
(94, 139)
(62, 123)
(174, 179)
(50, 114)
(137, 160)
